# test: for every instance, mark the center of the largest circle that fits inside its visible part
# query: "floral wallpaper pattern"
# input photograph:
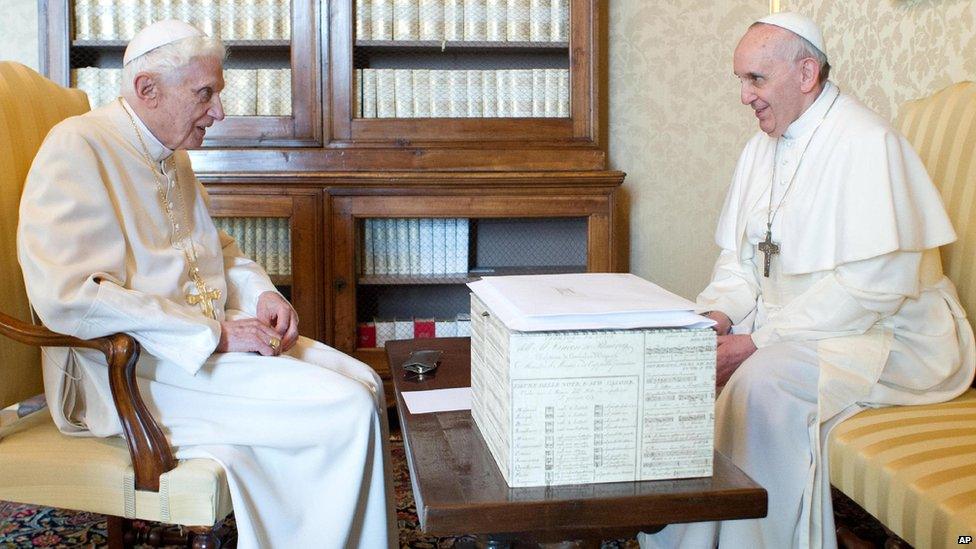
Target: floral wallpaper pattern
(676, 125)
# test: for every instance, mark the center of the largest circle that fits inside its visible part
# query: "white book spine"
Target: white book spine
(84, 15)
(503, 89)
(261, 240)
(103, 24)
(148, 13)
(426, 228)
(463, 325)
(403, 92)
(240, 92)
(403, 328)
(86, 80)
(475, 94)
(284, 95)
(164, 9)
(518, 20)
(432, 20)
(127, 18)
(207, 17)
(552, 93)
(266, 18)
(440, 94)
(457, 82)
(445, 328)
(496, 17)
(392, 251)
(540, 30)
(440, 246)
(563, 95)
(363, 19)
(385, 331)
(284, 237)
(406, 20)
(450, 245)
(366, 255)
(273, 92)
(521, 93)
(403, 246)
(109, 85)
(385, 97)
(475, 20)
(416, 266)
(273, 246)
(231, 17)
(559, 21)
(369, 93)
(381, 20)
(357, 93)
(538, 93)
(461, 255)
(421, 93)
(283, 21)
(378, 229)
(489, 91)
(454, 20)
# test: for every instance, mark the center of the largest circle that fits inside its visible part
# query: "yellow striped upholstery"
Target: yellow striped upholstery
(914, 467)
(29, 106)
(39, 465)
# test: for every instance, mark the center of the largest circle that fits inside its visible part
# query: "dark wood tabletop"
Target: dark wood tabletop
(460, 490)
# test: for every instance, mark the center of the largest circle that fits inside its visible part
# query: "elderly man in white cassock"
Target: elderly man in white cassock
(828, 291)
(115, 236)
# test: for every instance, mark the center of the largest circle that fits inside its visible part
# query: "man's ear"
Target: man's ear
(146, 87)
(809, 74)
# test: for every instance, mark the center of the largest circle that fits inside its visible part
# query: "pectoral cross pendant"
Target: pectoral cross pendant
(205, 297)
(769, 249)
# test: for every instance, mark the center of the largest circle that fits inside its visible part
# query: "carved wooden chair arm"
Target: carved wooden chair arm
(150, 452)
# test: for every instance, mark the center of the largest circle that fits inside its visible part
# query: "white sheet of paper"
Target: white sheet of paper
(438, 400)
(584, 301)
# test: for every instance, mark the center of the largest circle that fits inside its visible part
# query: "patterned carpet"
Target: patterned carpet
(24, 526)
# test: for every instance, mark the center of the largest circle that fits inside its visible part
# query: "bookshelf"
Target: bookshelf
(527, 174)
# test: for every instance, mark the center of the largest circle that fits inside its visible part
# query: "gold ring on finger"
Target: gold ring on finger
(274, 343)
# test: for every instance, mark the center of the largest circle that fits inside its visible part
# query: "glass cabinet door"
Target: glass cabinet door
(438, 70)
(271, 94)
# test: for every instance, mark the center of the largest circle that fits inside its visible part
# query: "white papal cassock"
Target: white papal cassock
(302, 436)
(855, 312)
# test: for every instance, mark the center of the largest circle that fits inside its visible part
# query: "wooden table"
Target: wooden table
(459, 489)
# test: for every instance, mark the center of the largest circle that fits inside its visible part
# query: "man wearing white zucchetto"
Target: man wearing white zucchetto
(115, 236)
(828, 290)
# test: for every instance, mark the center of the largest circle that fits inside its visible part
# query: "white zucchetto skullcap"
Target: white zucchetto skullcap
(798, 24)
(158, 34)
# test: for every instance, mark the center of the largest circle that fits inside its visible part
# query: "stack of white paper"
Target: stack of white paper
(585, 301)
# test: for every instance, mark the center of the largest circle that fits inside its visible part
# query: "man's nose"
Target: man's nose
(746, 94)
(216, 110)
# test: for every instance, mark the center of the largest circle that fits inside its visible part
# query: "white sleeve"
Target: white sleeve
(73, 256)
(733, 290)
(848, 301)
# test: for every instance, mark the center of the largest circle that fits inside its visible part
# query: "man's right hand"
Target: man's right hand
(723, 322)
(248, 335)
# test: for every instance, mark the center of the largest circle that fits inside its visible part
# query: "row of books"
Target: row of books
(414, 246)
(375, 334)
(228, 19)
(425, 93)
(468, 20)
(262, 92)
(266, 240)
(247, 92)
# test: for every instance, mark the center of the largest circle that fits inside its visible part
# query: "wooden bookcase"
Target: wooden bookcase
(327, 169)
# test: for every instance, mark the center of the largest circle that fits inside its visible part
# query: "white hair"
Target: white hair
(166, 61)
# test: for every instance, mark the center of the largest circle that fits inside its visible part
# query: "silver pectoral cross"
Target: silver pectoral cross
(768, 249)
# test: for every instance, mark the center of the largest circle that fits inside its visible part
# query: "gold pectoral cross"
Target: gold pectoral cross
(205, 296)
(768, 249)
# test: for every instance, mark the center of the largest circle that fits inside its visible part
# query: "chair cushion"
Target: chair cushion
(912, 467)
(41, 466)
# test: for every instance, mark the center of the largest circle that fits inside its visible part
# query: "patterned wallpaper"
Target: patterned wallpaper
(676, 128)
(676, 125)
(18, 32)
(888, 51)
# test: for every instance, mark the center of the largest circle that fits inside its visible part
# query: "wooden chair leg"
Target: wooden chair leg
(202, 537)
(116, 532)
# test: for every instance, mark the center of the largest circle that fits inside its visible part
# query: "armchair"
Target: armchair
(134, 478)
